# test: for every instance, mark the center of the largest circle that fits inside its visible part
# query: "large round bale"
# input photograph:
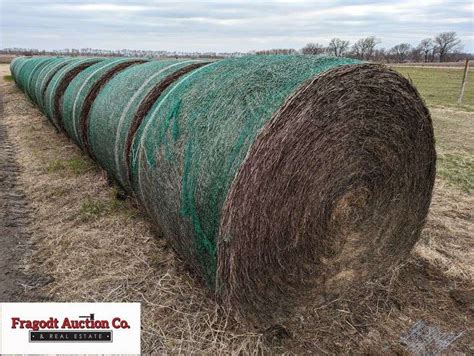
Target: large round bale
(15, 62)
(120, 108)
(23, 71)
(30, 89)
(44, 77)
(82, 91)
(30, 80)
(281, 178)
(24, 75)
(16, 66)
(53, 97)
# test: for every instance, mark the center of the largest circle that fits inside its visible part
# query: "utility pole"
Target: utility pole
(464, 80)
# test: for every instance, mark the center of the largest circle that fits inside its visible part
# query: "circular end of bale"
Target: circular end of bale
(335, 190)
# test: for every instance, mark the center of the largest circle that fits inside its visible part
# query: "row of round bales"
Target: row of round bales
(279, 179)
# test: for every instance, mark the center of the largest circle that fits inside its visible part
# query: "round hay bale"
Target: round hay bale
(27, 70)
(82, 91)
(16, 64)
(20, 69)
(32, 80)
(113, 121)
(13, 64)
(278, 178)
(20, 64)
(350, 160)
(44, 77)
(53, 97)
(282, 177)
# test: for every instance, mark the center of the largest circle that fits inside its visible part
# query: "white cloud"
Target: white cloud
(100, 7)
(227, 25)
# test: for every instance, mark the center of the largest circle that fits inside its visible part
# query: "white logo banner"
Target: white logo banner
(70, 328)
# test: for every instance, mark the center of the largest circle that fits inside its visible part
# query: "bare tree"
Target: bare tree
(364, 48)
(313, 48)
(337, 47)
(400, 51)
(415, 55)
(447, 42)
(426, 47)
(381, 55)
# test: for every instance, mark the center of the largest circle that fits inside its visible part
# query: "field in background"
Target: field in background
(458, 65)
(89, 245)
(441, 86)
(5, 58)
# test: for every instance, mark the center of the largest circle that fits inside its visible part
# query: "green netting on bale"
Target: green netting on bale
(115, 108)
(45, 76)
(273, 176)
(80, 89)
(17, 67)
(190, 146)
(30, 82)
(27, 70)
(16, 64)
(13, 64)
(63, 77)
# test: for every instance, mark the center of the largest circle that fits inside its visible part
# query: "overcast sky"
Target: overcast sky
(226, 25)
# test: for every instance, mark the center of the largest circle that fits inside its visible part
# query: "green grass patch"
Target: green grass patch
(92, 208)
(457, 170)
(441, 86)
(55, 166)
(77, 166)
(8, 78)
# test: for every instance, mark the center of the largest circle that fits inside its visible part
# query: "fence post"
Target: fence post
(464, 80)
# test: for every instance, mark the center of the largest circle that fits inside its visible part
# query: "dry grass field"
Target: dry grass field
(6, 58)
(441, 86)
(90, 246)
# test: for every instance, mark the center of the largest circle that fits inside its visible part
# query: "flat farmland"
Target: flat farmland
(441, 86)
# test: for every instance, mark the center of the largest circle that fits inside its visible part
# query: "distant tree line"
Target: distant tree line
(444, 47)
(92, 52)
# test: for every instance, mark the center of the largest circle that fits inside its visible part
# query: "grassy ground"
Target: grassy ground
(454, 126)
(441, 86)
(98, 248)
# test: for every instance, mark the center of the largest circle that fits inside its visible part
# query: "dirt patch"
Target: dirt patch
(6, 59)
(98, 248)
(14, 211)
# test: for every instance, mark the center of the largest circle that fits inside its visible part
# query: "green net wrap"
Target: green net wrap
(190, 146)
(80, 89)
(277, 178)
(34, 77)
(27, 69)
(24, 70)
(115, 108)
(59, 82)
(45, 76)
(16, 65)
